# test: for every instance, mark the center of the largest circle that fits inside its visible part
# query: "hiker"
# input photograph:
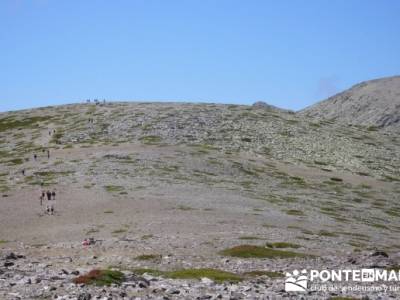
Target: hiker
(48, 153)
(41, 200)
(49, 132)
(35, 156)
(50, 209)
(23, 172)
(53, 195)
(48, 193)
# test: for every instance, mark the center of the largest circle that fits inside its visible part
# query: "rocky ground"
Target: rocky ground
(370, 103)
(168, 187)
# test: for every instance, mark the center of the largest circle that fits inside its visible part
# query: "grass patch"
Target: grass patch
(150, 139)
(283, 245)
(336, 179)
(152, 272)
(118, 231)
(249, 237)
(92, 231)
(108, 211)
(185, 208)
(114, 188)
(213, 274)
(101, 278)
(251, 251)
(270, 274)
(147, 236)
(294, 212)
(16, 161)
(31, 122)
(149, 257)
(327, 233)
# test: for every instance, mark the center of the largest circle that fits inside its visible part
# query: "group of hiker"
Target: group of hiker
(49, 195)
(51, 198)
(35, 156)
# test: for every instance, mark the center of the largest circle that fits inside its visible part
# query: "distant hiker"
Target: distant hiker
(35, 157)
(53, 195)
(50, 209)
(41, 200)
(48, 153)
(23, 172)
(48, 193)
(43, 194)
(49, 132)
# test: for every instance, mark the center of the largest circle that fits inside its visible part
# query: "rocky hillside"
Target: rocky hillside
(371, 103)
(190, 201)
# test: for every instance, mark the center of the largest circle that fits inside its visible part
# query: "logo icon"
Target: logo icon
(296, 282)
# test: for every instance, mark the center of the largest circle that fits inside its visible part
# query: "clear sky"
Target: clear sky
(287, 53)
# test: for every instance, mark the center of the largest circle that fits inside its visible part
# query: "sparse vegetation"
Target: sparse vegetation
(270, 274)
(101, 278)
(251, 251)
(295, 212)
(213, 274)
(283, 245)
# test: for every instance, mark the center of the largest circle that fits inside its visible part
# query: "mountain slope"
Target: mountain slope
(370, 103)
(180, 187)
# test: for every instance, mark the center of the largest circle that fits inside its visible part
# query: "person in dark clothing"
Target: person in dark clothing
(35, 157)
(48, 153)
(53, 195)
(48, 193)
(23, 172)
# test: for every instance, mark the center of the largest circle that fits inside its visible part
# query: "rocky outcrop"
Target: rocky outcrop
(371, 103)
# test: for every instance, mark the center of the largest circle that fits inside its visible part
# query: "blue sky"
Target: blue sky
(287, 53)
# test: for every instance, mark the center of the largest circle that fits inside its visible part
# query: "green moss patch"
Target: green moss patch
(101, 278)
(114, 188)
(251, 251)
(270, 274)
(150, 139)
(294, 212)
(283, 245)
(213, 274)
(11, 123)
(149, 257)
